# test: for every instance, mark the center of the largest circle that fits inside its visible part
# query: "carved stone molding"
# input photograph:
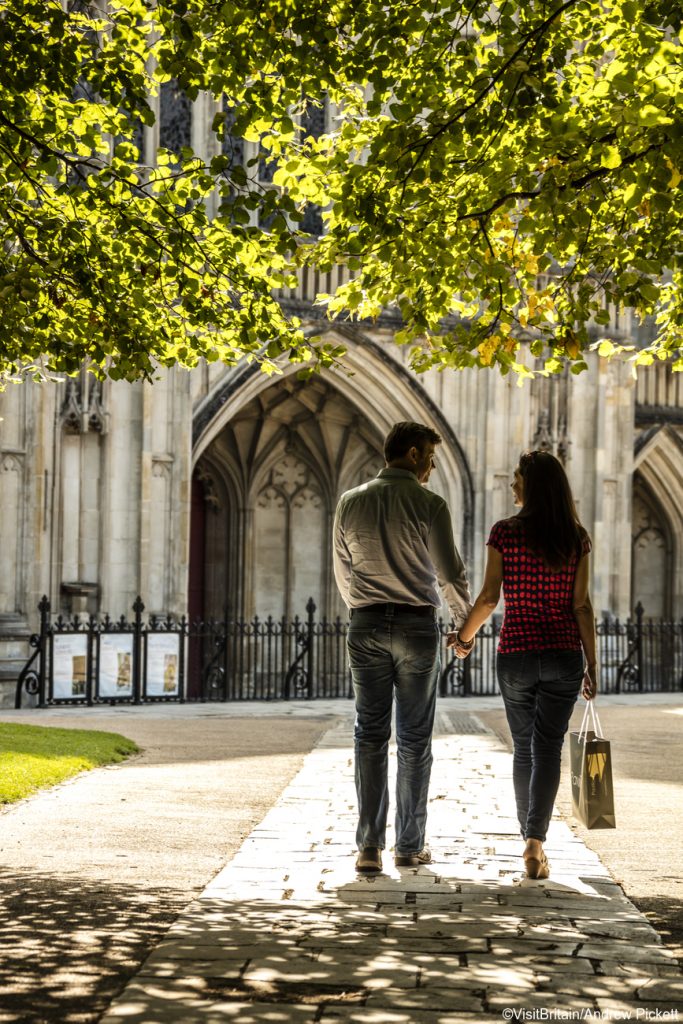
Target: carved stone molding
(208, 485)
(271, 497)
(551, 400)
(11, 462)
(289, 474)
(97, 418)
(294, 481)
(71, 412)
(543, 439)
(563, 442)
(369, 470)
(162, 466)
(307, 498)
(646, 525)
(82, 407)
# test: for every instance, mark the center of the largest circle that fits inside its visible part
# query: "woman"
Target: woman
(540, 557)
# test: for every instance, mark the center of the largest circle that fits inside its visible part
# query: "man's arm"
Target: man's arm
(341, 558)
(450, 568)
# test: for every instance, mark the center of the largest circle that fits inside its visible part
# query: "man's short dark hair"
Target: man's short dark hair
(406, 435)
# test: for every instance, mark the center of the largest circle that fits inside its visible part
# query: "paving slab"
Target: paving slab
(403, 1016)
(288, 931)
(427, 999)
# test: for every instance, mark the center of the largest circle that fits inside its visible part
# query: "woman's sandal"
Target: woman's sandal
(535, 868)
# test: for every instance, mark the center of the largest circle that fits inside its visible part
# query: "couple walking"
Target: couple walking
(393, 549)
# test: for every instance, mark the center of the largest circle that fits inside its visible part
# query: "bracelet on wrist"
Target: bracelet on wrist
(464, 643)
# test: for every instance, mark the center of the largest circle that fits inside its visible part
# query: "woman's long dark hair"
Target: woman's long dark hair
(552, 527)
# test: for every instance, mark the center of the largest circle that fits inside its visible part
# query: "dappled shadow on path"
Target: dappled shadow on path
(397, 945)
(392, 949)
(69, 944)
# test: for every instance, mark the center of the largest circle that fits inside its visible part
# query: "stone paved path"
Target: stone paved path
(288, 932)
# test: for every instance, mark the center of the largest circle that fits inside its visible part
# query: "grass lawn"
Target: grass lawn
(32, 756)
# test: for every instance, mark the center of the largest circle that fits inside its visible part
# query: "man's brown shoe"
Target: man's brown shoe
(369, 859)
(413, 860)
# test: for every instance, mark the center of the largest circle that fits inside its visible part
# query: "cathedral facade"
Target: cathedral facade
(212, 492)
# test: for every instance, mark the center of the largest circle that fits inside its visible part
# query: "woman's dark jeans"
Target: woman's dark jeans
(539, 689)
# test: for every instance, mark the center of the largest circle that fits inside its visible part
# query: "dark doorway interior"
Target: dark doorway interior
(195, 600)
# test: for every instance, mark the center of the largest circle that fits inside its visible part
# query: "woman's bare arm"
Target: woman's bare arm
(487, 599)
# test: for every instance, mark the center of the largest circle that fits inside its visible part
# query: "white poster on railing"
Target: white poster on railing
(116, 665)
(69, 665)
(163, 662)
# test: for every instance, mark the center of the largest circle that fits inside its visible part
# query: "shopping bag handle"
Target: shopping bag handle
(597, 728)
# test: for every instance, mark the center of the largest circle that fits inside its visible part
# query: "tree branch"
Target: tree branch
(538, 31)
(575, 183)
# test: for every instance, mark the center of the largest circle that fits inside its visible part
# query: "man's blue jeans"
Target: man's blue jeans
(393, 653)
(539, 690)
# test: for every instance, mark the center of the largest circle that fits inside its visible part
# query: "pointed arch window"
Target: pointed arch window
(290, 539)
(651, 583)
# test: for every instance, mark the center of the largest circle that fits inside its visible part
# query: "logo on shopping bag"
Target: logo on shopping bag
(596, 765)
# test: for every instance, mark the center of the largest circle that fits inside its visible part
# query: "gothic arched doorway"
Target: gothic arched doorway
(289, 450)
(272, 477)
(657, 518)
(651, 583)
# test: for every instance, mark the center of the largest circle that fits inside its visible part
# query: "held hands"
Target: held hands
(589, 684)
(458, 646)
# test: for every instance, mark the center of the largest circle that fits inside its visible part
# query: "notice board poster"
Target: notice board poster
(162, 665)
(116, 665)
(69, 666)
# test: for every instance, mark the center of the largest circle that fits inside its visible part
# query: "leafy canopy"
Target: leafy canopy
(498, 173)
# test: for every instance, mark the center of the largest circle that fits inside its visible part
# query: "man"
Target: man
(393, 542)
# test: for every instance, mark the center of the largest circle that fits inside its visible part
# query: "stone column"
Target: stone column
(15, 519)
(26, 474)
(165, 492)
(602, 418)
(121, 481)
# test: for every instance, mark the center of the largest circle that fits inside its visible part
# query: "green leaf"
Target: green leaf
(649, 291)
(610, 157)
(650, 115)
(219, 164)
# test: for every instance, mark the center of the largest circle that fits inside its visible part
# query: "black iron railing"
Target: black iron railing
(89, 661)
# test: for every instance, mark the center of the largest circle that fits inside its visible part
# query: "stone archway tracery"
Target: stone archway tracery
(291, 448)
(294, 449)
(289, 526)
(377, 387)
(650, 584)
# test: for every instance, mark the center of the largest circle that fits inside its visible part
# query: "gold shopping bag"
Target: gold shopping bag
(591, 773)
